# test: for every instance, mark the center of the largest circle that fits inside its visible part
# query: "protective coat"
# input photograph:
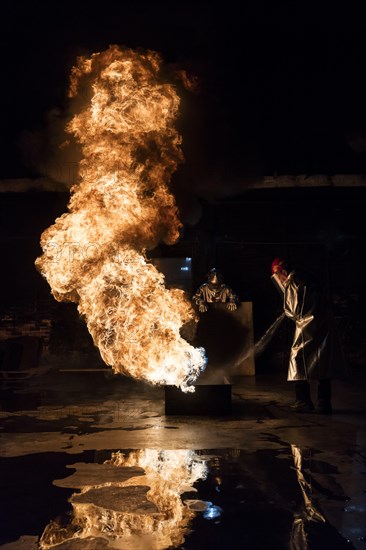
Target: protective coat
(209, 293)
(316, 351)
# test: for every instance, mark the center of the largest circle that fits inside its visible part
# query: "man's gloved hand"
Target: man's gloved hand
(202, 308)
(231, 306)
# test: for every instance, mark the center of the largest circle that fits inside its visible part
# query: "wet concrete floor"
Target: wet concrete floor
(89, 460)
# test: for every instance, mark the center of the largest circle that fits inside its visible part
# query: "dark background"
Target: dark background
(322, 230)
(282, 88)
(282, 91)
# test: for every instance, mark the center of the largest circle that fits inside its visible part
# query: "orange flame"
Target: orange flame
(95, 255)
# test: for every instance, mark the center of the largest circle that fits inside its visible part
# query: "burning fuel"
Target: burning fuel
(120, 208)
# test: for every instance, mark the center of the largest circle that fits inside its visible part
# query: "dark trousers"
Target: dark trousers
(302, 390)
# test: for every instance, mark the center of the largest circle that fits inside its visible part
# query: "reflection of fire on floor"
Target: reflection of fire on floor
(277, 496)
(138, 505)
(160, 499)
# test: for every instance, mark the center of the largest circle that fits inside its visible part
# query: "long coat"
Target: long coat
(316, 351)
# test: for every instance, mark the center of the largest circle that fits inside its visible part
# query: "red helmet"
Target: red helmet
(278, 264)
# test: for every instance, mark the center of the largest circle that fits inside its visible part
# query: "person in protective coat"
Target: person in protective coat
(215, 290)
(315, 351)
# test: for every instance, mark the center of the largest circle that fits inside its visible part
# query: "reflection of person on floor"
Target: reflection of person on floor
(214, 291)
(308, 511)
(315, 351)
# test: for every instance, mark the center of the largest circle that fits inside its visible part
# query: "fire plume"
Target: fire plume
(95, 254)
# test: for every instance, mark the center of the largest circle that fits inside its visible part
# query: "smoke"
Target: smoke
(216, 165)
(263, 342)
(50, 151)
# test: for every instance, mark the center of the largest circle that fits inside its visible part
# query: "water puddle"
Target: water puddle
(175, 499)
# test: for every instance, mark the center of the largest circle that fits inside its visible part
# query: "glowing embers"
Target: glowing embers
(139, 512)
(120, 208)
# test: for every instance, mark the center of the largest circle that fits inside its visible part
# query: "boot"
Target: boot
(303, 401)
(324, 401)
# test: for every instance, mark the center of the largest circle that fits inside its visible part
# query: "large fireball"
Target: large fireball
(95, 254)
